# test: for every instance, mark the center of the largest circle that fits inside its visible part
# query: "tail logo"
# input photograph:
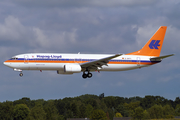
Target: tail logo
(154, 44)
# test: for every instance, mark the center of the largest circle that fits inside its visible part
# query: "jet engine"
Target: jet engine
(72, 68)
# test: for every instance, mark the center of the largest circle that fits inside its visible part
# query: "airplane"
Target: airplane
(87, 63)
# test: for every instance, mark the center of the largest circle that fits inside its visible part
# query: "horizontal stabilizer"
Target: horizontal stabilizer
(160, 57)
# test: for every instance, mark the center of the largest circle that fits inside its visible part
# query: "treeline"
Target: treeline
(90, 106)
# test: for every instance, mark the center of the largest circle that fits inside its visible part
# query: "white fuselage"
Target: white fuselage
(52, 61)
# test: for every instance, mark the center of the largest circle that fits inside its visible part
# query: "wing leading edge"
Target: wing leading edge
(97, 64)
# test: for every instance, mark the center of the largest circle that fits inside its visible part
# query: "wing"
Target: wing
(160, 58)
(94, 65)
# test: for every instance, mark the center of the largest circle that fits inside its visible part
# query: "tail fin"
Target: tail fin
(154, 45)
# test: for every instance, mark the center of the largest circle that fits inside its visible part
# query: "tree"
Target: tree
(132, 105)
(110, 101)
(69, 114)
(118, 115)
(75, 110)
(98, 115)
(51, 111)
(87, 96)
(92, 102)
(107, 115)
(156, 112)
(82, 110)
(130, 108)
(146, 115)
(111, 112)
(177, 100)
(168, 111)
(138, 113)
(6, 110)
(123, 110)
(60, 105)
(102, 106)
(101, 96)
(37, 112)
(23, 100)
(89, 110)
(147, 102)
(61, 117)
(119, 100)
(21, 111)
(177, 110)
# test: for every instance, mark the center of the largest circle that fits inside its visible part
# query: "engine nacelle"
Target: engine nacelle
(72, 68)
(62, 72)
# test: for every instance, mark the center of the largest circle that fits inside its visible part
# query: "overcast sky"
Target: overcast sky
(88, 26)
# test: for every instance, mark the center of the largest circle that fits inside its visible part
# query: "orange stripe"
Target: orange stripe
(44, 61)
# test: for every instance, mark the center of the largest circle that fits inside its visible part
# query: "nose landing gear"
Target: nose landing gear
(21, 74)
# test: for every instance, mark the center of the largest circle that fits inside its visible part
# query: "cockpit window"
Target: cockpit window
(14, 58)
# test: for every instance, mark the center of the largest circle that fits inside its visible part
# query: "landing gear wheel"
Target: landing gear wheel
(84, 76)
(89, 75)
(20, 74)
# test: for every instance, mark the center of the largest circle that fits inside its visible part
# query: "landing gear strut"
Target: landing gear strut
(20, 74)
(85, 75)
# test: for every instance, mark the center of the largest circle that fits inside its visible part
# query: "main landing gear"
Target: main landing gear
(88, 74)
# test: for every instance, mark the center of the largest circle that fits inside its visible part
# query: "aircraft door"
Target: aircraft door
(26, 59)
(138, 61)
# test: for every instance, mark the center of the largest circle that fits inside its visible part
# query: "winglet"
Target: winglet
(154, 45)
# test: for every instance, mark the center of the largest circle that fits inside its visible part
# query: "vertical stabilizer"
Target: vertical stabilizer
(154, 45)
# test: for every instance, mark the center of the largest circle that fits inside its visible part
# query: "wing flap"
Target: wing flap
(98, 63)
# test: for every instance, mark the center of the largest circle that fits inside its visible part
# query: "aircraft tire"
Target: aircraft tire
(89, 75)
(84, 76)
(20, 74)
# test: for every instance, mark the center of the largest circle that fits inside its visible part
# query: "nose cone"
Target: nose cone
(6, 63)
